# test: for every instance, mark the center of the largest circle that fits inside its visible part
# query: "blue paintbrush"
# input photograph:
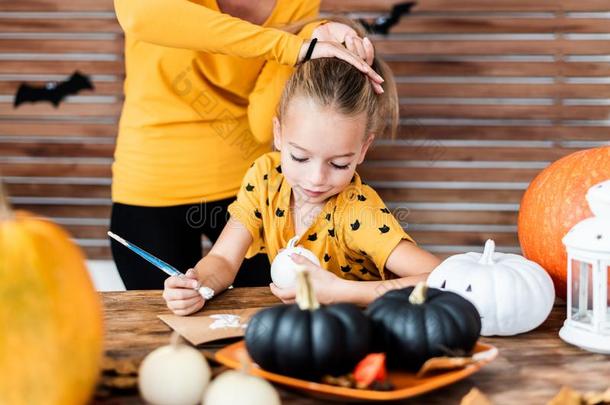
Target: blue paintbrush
(206, 292)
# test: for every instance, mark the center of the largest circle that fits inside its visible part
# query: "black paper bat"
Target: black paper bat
(53, 92)
(382, 24)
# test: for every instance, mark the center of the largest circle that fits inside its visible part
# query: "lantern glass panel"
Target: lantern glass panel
(582, 291)
(607, 267)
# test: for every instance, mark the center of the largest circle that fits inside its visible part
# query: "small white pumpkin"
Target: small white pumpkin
(176, 374)
(512, 294)
(283, 269)
(237, 387)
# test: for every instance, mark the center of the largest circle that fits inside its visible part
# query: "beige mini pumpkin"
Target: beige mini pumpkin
(238, 387)
(176, 374)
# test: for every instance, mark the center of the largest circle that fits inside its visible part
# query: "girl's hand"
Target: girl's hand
(181, 294)
(322, 281)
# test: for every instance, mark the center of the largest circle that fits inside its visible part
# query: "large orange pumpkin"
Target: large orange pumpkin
(553, 203)
(51, 317)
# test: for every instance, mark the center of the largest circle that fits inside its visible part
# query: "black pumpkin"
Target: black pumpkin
(307, 341)
(413, 325)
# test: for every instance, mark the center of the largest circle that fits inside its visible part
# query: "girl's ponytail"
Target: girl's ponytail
(337, 84)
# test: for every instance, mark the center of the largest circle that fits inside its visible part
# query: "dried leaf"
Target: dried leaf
(119, 366)
(121, 383)
(567, 396)
(597, 398)
(126, 367)
(444, 363)
(346, 381)
(475, 397)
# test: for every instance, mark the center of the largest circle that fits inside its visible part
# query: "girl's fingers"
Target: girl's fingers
(300, 259)
(183, 304)
(285, 294)
(196, 307)
(173, 294)
(180, 282)
(189, 310)
(191, 273)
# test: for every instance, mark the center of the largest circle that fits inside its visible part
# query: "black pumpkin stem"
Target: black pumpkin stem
(306, 296)
(418, 295)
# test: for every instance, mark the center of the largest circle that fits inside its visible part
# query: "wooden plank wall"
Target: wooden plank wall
(491, 93)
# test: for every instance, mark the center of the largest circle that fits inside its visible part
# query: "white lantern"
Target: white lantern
(588, 246)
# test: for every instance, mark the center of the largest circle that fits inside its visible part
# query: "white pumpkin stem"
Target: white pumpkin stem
(488, 253)
(5, 208)
(305, 297)
(243, 361)
(418, 295)
(175, 340)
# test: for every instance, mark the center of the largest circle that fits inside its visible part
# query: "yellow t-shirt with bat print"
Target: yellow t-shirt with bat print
(352, 236)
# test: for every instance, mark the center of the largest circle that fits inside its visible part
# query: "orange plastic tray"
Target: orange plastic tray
(406, 384)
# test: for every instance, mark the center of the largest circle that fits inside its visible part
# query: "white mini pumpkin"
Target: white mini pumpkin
(176, 374)
(512, 294)
(283, 269)
(236, 387)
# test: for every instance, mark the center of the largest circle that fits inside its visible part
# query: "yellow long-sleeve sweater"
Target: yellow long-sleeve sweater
(200, 91)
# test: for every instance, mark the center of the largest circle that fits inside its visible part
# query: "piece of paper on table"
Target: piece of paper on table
(207, 326)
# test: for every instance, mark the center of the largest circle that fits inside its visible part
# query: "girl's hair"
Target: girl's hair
(334, 83)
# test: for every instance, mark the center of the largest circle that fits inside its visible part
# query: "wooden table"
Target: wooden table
(530, 368)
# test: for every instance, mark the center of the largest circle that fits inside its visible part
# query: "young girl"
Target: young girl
(328, 116)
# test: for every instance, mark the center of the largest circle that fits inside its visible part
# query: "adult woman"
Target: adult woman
(201, 87)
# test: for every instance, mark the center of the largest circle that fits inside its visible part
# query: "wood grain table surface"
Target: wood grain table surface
(530, 368)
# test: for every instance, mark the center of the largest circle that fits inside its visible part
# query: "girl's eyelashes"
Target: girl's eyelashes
(302, 160)
(296, 159)
(340, 167)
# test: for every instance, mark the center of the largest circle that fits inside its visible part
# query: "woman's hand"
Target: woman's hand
(357, 51)
(181, 294)
(322, 281)
(344, 34)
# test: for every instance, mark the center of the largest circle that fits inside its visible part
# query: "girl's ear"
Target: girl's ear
(365, 147)
(277, 136)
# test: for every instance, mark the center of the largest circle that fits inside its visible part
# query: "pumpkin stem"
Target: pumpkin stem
(306, 297)
(243, 361)
(488, 253)
(418, 295)
(175, 339)
(5, 208)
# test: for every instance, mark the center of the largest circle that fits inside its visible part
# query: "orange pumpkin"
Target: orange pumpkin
(52, 336)
(553, 203)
